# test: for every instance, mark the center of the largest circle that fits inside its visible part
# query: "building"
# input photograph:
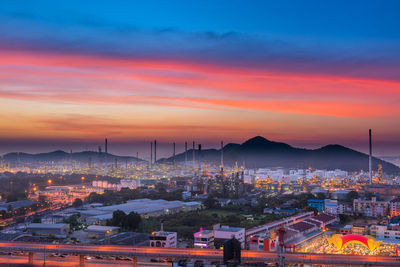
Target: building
(394, 205)
(388, 232)
(57, 229)
(98, 231)
(224, 232)
(163, 239)
(317, 203)
(359, 228)
(370, 208)
(331, 207)
(204, 239)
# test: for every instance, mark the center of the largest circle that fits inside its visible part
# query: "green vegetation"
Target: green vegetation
(77, 203)
(73, 222)
(186, 224)
(118, 197)
(128, 222)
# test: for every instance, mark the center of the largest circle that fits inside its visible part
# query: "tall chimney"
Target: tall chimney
(194, 154)
(151, 154)
(222, 154)
(370, 157)
(162, 225)
(199, 156)
(174, 154)
(105, 146)
(155, 152)
(185, 154)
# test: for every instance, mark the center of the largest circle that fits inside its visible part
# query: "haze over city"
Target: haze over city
(309, 74)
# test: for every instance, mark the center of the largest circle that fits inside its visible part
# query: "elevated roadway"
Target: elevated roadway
(201, 254)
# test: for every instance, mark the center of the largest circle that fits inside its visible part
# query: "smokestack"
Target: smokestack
(151, 154)
(222, 154)
(185, 154)
(194, 152)
(174, 154)
(105, 146)
(370, 157)
(155, 152)
(198, 156)
(162, 225)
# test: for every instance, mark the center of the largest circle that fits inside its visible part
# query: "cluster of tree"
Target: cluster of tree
(73, 222)
(125, 194)
(185, 224)
(77, 203)
(129, 221)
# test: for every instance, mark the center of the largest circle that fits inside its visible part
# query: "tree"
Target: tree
(131, 221)
(117, 218)
(314, 209)
(73, 221)
(77, 203)
(209, 203)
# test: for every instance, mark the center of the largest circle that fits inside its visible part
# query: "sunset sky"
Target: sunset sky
(308, 73)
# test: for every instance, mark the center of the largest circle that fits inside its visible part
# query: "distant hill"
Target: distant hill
(259, 152)
(395, 160)
(59, 155)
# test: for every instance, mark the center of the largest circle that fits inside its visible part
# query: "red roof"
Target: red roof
(301, 226)
(324, 218)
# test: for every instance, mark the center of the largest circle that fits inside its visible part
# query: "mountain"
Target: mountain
(259, 152)
(59, 155)
(394, 159)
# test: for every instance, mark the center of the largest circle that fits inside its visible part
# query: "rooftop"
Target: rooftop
(226, 228)
(100, 228)
(324, 218)
(47, 225)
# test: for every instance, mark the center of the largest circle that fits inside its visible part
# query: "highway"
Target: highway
(203, 254)
(72, 261)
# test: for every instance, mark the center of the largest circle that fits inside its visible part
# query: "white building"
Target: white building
(163, 239)
(224, 232)
(204, 239)
(331, 207)
(370, 208)
(388, 232)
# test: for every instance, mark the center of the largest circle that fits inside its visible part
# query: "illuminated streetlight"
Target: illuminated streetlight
(49, 181)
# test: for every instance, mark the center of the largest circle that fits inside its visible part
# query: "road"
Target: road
(71, 261)
(203, 254)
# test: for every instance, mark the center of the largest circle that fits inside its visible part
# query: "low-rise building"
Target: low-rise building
(359, 228)
(204, 239)
(163, 239)
(99, 231)
(224, 232)
(56, 229)
(388, 232)
(319, 204)
(331, 207)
